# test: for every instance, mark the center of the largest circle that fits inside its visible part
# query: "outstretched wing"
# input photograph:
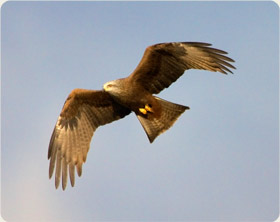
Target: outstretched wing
(83, 111)
(162, 64)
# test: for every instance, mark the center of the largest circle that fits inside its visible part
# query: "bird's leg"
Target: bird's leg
(143, 110)
(148, 108)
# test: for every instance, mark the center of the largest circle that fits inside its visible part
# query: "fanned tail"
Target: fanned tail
(155, 124)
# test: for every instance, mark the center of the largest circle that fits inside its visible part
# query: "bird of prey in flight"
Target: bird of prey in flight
(85, 110)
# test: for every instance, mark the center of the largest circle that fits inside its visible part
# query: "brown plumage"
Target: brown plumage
(85, 110)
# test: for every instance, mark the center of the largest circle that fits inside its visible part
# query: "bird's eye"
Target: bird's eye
(109, 85)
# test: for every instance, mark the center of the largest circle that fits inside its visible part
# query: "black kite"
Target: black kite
(85, 110)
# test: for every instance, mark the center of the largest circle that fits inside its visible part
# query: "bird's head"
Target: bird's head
(108, 86)
(113, 87)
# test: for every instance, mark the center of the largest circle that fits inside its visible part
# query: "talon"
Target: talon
(143, 110)
(148, 108)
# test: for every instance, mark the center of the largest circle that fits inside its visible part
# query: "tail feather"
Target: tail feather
(155, 125)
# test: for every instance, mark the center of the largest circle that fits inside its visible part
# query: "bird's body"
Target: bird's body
(134, 97)
(131, 97)
(85, 110)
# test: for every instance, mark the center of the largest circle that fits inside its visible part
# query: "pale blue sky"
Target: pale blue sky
(219, 162)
